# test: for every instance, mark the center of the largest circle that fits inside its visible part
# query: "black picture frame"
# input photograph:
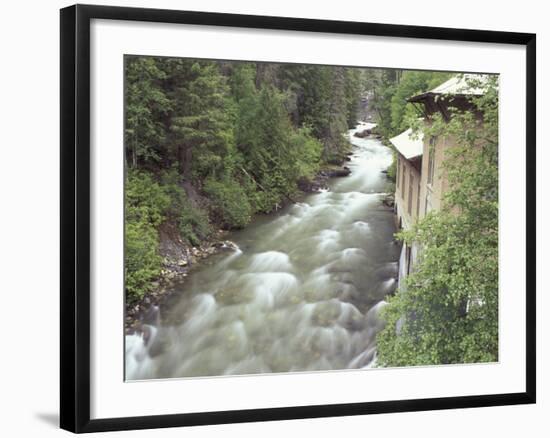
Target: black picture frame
(75, 217)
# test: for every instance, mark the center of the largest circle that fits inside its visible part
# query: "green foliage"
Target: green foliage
(142, 263)
(273, 154)
(411, 83)
(262, 132)
(200, 130)
(312, 88)
(449, 308)
(146, 203)
(382, 85)
(242, 81)
(192, 222)
(325, 99)
(353, 89)
(337, 114)
(146, 105)
(230, 203)
(304, 155)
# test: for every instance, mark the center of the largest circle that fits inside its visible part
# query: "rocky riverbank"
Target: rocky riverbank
(179, 259)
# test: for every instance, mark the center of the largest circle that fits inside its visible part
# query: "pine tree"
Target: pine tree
(337, 121)
(353, 95)
(199, 126)
(146, 104)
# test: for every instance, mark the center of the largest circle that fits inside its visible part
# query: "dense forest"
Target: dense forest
(210, 143)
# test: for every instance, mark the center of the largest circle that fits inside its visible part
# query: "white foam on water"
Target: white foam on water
(138, 363)
(350, 253)
(290, 299)
(270, 261)
(203, 314)
(272, 288)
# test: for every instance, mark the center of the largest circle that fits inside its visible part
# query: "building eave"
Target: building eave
(409, 148)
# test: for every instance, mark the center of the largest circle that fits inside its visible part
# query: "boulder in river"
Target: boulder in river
(363, 134)
(344, 171)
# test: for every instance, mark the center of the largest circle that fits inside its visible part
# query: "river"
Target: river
(302, 293)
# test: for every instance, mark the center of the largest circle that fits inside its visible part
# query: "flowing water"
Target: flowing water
(303, 291)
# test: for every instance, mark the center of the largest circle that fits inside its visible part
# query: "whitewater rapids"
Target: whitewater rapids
(303, 292)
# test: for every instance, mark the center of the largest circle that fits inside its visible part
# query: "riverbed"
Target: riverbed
(302, 292)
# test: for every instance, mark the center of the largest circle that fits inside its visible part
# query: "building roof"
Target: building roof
(457, 86)
(408, 145)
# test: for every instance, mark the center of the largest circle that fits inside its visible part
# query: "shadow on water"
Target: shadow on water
(302, 293)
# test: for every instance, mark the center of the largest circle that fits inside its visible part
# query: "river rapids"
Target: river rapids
(302, 292)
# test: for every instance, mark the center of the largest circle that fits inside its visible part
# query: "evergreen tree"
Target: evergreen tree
(383, 84)
(275, 154)
(353, 95)
(200, 131)
(337, 114)
(146, 104)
